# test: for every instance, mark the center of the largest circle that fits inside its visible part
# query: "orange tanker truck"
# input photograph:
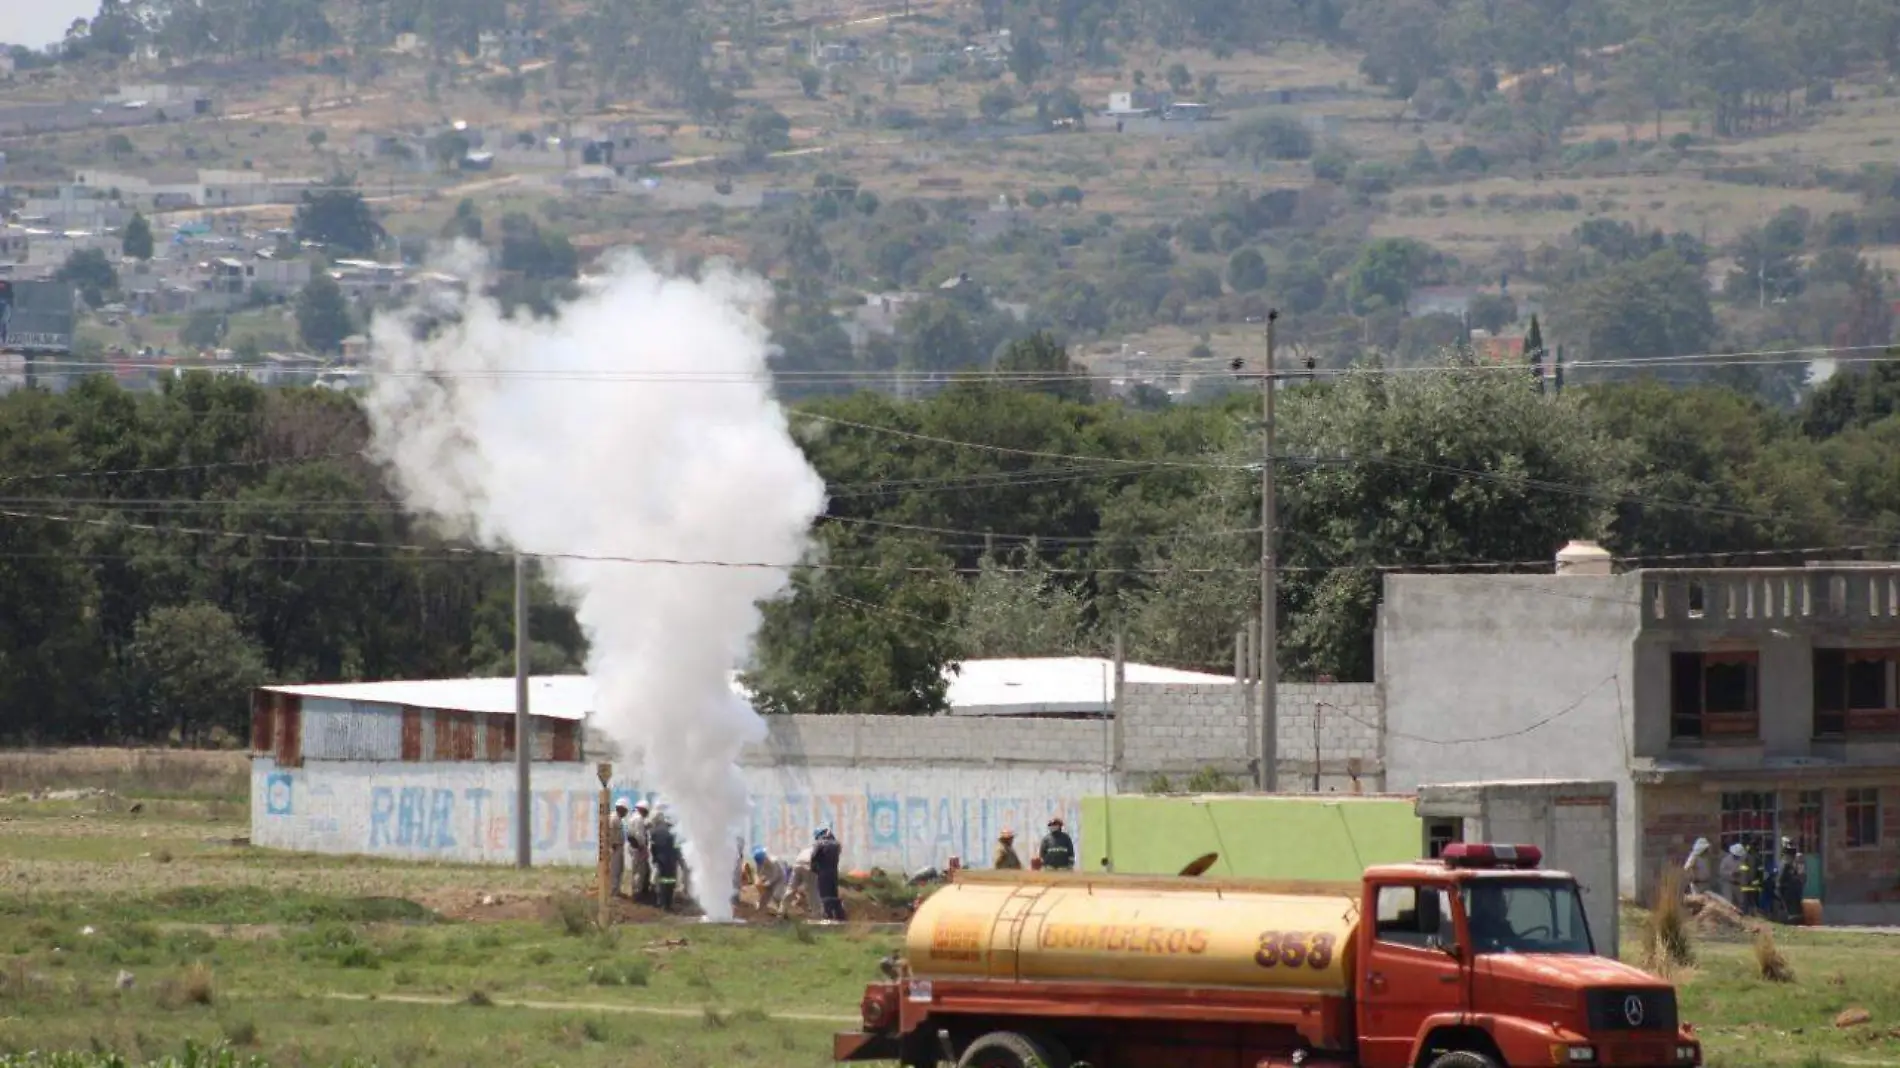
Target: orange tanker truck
(1476, 960)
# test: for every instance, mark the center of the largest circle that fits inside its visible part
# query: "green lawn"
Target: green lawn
(304, 960)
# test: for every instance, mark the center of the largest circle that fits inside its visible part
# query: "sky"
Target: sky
(41, 22)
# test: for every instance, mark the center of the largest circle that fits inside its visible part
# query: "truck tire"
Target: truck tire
(1007, 1049)
(1460, 1058)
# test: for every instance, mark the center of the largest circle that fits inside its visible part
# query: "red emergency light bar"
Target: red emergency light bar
(1484, 855)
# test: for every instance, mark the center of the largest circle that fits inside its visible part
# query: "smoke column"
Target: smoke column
(516, 433)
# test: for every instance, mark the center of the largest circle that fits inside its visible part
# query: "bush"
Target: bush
(1769, 963)
(631, 972)
(575, 915)
(1666, 944)
(193, 986)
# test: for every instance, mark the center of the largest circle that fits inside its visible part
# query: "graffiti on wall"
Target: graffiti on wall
(459, 816)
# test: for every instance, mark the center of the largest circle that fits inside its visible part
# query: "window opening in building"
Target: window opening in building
(1856, 691)
(1748, 817)
(1862, 817)
(1714, 695)
(1441, 833)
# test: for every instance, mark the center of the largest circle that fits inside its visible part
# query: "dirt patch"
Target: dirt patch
(1712, 916)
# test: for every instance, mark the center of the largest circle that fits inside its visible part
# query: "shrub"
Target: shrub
(1769, 962)
(1666, 942)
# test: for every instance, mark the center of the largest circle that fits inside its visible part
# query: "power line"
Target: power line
(1540, 724)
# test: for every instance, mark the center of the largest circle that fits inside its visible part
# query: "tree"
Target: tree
(1179, 77)
(1040, 363)
(1027, 59)
(448, 149)
(92, 274)
(1651, 308)
(1016, 607)
(996, 102)
(317, 139)
(323, 317)
(136, 242)
(196, 667)
(120, 146)
(874, 641)
(809, 81)
(766, 131)
(465, 223)
(340, 219)
(1270, 137)
(1492, 312)
(934, 334)
(538, 256)
(1247, 271)
(1385, 272)
(204, 329)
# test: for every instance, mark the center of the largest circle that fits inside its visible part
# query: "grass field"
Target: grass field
(305, 960)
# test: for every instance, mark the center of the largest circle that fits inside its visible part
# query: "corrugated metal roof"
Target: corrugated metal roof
(552, 696)
(1000, 687)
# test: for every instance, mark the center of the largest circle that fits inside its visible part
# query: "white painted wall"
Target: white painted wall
(889, 816)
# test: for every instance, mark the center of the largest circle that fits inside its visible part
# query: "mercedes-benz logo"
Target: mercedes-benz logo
(1633, 1010)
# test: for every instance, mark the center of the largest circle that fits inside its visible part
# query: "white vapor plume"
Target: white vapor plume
(514, 432)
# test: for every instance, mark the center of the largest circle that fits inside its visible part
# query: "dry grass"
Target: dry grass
(1769, 961)
(182, 773)
(193, 986)
(1666, 943)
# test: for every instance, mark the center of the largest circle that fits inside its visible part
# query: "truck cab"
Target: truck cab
(1480, 958)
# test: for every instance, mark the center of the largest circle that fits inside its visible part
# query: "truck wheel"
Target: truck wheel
(1007, 1049)
(1460, 1058)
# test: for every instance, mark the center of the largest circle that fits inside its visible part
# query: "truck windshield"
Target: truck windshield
(1531, 916)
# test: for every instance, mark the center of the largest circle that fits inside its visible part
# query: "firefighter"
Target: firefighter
(771, 878)
(617, 845)
(639, 857)
(1057, 849)
(665, 851)
(1697, 871)
(826, 852)
(1006, 858)
(1791, 883)
(1733, 873)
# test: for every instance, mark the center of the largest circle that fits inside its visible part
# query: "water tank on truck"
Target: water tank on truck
(1475, 960)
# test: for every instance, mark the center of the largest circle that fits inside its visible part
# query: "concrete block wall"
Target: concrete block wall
(1351, 747)
(805, 740)
(1177, 730)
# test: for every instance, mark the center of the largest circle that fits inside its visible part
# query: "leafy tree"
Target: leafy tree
(996, 103)
(870, 637)
(323, 317)
(936, 335)
(1070, 195)
(120, 146)
(1385, 272)
(136, 242)
(203, 329)
(196, 667)
(1027, 58)
(449, 148)
(1015, 607)
(1492, 311)
(465, 223)
(809, 81)
(536, 255)
(1043, 365)
(92, 274)
(1852, 399)
(1179, 77)
(1270, 137)
(766, 131)
(1247, 271)
(1651, 308)
(340, 219)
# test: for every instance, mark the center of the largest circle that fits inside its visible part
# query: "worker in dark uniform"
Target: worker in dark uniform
(1791, 881)
(826, 852)
(665, 851)
(1057, 849)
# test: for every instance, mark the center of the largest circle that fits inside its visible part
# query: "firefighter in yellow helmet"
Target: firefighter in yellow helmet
(1006, 858)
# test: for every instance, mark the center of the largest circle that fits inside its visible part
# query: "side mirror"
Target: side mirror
(1448, 948)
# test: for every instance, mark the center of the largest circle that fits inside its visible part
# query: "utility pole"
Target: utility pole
(1269, 608)
(524, 730)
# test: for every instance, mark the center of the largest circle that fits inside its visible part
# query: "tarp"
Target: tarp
(1320, 838)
